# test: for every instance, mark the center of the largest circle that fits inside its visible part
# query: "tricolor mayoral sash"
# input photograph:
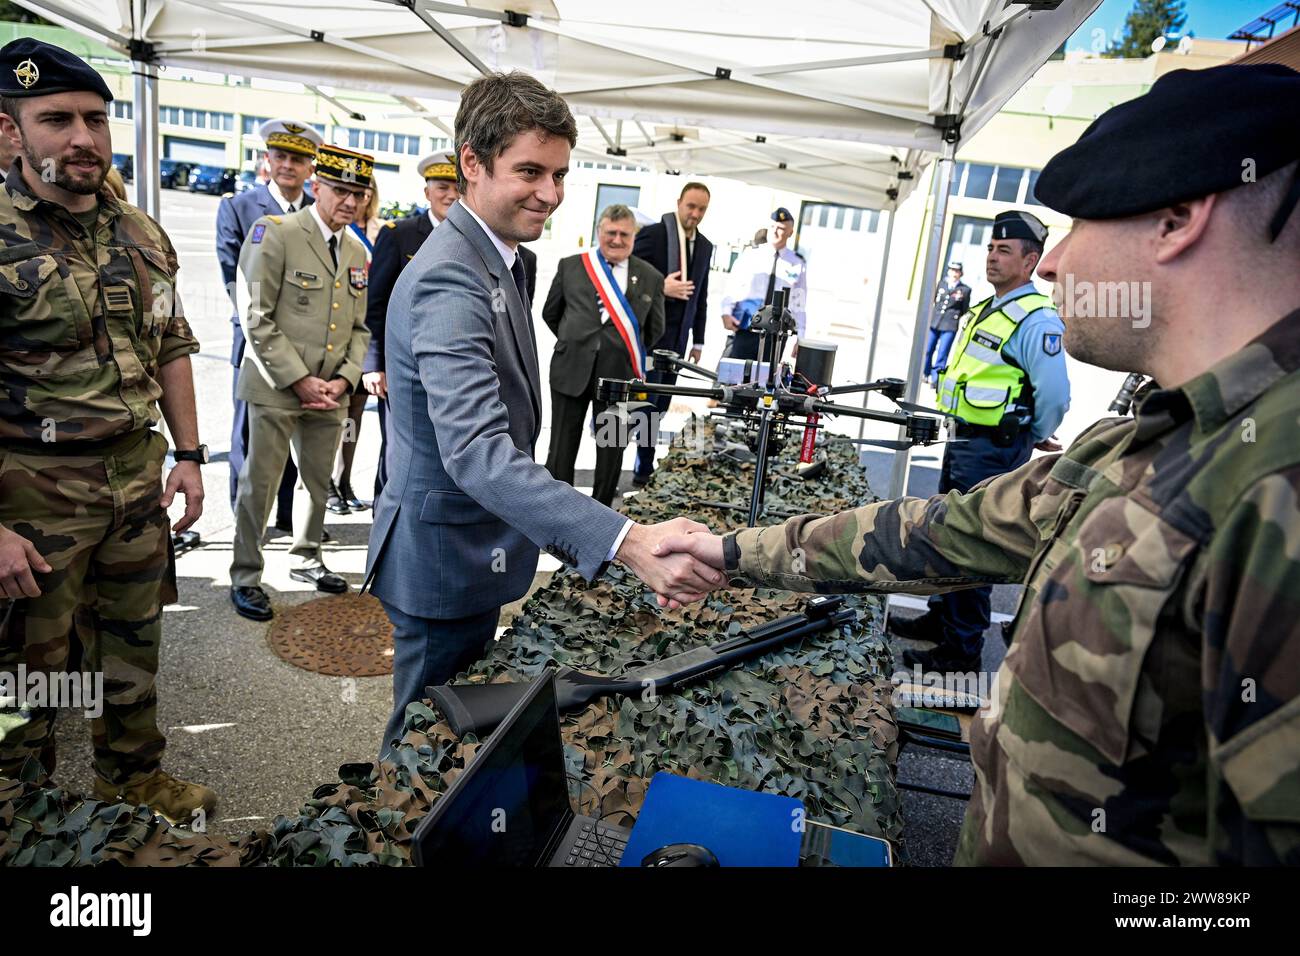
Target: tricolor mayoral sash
(616, 305)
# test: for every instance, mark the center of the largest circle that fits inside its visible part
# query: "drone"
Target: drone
(773, 410)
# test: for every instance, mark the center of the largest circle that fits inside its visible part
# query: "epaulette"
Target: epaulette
(274, 219)
(390, 224)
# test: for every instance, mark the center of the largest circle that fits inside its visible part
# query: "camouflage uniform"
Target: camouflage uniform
(85, 324)
(1149, 706)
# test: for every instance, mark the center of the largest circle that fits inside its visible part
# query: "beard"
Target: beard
(1119, 348)
(66, 178)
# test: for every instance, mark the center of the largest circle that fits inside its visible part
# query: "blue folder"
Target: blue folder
(740, 827)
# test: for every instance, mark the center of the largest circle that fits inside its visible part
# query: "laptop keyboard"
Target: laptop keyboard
(597, 845)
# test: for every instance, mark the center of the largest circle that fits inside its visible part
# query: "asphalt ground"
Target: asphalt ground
(264, 733)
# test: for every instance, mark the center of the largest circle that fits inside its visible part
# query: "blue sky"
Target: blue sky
(1213, 19)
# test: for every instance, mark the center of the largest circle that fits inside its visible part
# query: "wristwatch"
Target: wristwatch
(199, 454)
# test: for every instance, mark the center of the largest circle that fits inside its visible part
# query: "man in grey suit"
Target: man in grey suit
(466, 506)
(590, 346)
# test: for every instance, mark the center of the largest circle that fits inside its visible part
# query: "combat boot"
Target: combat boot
(169, 797)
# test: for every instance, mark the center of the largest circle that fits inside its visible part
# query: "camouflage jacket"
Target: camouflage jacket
(83, 334)
(1148, 710)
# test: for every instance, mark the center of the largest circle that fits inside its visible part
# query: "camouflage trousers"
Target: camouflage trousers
(98, 522)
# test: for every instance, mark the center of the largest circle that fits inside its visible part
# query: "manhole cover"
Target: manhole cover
(343, 635)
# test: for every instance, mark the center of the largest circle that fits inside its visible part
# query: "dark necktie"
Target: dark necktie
(771, 279)
(334, 251)
(521, 282)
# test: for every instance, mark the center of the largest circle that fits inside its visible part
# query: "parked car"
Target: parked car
(125, 165)
(399, 210)
(173, 174)
(215, 180)
(246, 181)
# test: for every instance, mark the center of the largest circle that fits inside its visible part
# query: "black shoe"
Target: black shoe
(326, 537)
(283, 525)
(640, 481)
(251, 603)
(923, 627)
(942, 659)
(334, 501)
(350, 498)
(324, 579)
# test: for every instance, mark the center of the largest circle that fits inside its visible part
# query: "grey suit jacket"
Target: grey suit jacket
(466, 507)
(573, 315)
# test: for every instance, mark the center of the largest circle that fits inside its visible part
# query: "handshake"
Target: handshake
(680, 560)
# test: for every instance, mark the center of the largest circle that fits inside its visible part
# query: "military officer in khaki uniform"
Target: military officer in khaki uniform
(94, 350)
(304, 278)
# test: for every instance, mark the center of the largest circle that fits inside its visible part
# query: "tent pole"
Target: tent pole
(924, 304)
(880, 303)
(145, 107)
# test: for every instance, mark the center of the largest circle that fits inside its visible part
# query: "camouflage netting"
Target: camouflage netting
(812, 721)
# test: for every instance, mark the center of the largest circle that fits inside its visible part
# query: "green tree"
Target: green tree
(1147, 20)
(12, 13)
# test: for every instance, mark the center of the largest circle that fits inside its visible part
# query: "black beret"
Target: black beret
(1017, 224)
(1195, 132)
(31, 67)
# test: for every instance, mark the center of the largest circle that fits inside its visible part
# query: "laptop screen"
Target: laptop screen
(507, 806)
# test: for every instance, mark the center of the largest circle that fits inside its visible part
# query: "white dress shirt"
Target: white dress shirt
(280, 201)
(508, 252)
(326, 232)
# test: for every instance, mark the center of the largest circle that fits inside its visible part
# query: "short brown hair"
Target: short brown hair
(496, 108)
(689, 186)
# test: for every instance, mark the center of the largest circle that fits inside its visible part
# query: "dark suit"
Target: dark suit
(586, 351)
(456, 532)
(397, 244)
(683, 318)
(235, 216)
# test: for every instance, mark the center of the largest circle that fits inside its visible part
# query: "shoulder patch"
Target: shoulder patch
(258, 232)
(1052, 343)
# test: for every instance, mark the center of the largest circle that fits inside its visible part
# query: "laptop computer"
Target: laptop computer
(510, 808)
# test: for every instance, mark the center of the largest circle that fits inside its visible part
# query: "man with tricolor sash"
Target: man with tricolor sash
(606, 308)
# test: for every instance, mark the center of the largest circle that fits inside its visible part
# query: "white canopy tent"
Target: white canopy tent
(841, 99)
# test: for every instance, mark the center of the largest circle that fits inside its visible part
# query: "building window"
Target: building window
(978, 180)
(251, 124)
(123, 109)
(1029, 189)
(1007, 186)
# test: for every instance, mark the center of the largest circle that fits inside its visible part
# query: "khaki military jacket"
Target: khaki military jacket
(1148, 710)
(300, 315)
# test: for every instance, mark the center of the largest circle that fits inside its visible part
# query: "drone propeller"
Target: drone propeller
(919, 409)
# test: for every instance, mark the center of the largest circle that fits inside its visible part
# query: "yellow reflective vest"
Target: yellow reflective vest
(980, 384)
